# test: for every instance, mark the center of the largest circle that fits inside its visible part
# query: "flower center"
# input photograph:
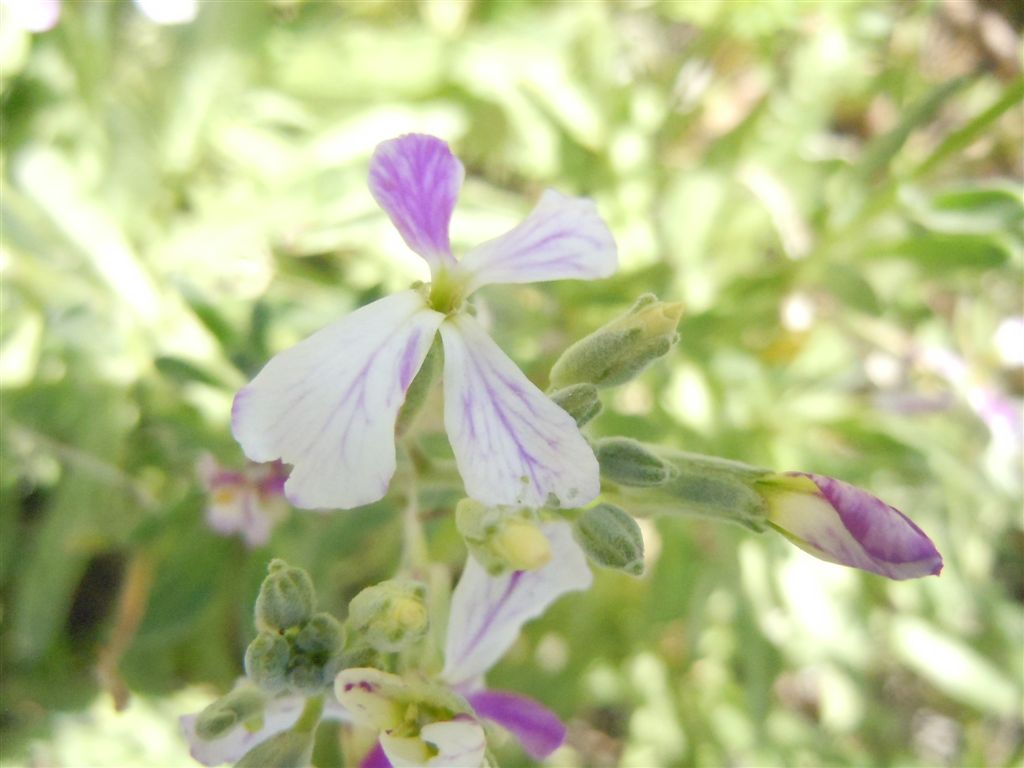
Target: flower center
(447, 292)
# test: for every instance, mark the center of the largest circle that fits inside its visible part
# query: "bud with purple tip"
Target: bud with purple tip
(842, 524)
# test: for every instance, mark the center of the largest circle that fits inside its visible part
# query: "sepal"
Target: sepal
(580, 401)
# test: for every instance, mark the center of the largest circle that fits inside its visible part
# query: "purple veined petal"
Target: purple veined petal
(512, 444)
(416, 180)
(846, 525)
(563, 237)
(459, 743)
(279, 716)
(328, 405)
(487, 612)
(535, 726)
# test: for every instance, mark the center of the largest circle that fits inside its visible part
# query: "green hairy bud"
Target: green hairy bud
(618, 351)
(627, 462)
(611, 539)
(578, 400)
(502, 538)
(391, 615)
(286, 597)
(267, 659)
(244, 703)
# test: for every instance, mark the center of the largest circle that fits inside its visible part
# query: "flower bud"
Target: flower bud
(243, 703)
(578, 400)
(320, 638)
(521, 545)
(627, 462)
(502, 538)
(611, 539)
(266, 661)
(286, 597)
(618, 351)
(391, 615)
(842, 524)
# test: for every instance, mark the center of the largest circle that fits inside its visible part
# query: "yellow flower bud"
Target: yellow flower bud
(521, 545)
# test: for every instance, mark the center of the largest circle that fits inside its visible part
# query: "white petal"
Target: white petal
(488, 612)
(328, 405)
(563, 237)
(460, 743)
(279, 716)
(512, 444)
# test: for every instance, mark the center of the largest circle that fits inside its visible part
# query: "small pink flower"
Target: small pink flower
(248, 501)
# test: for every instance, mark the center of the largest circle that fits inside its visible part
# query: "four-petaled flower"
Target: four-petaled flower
(248, 501)
(328, 405)
(487, 614)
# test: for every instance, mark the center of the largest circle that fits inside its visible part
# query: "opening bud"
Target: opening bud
(286, 597)
(611, 539)
(618, 351)
(391, 615)
(580, 401)
(627, 462)
(502, 538)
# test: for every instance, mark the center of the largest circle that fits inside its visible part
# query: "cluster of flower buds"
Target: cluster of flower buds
(296, 650)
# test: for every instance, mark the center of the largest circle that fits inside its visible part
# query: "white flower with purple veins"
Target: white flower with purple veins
(487, 614)
(328, 405)
(247, 501)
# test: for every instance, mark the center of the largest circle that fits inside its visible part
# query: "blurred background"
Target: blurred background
(833, 189)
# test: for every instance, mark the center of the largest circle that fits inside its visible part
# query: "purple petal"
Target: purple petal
(487, 612)
(328, 405)
(416, 180)
(563, 237)
(849, 526)
(375, 758)
(536, 727)
(512, 444)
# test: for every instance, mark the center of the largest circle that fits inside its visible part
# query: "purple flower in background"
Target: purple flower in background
(842, 524)
(248, 501)
(328, 405)
(487, 614)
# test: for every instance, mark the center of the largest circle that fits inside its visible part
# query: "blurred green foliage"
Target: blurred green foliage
(832, 188)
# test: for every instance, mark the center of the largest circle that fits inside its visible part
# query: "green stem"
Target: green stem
(699, 486)
(310, 717)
